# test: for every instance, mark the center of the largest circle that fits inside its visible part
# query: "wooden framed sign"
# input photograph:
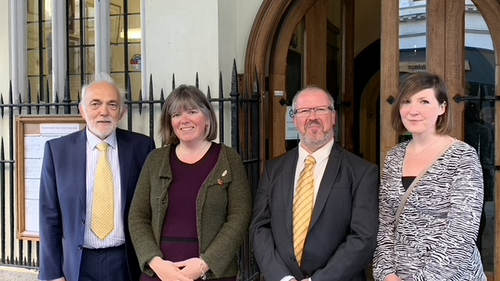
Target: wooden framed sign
(32, 133)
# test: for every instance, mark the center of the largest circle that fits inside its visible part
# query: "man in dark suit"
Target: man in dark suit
(341, 229)
(70, 247)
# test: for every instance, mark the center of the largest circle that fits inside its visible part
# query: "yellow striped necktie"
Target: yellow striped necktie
(303, 206)
(103, 215)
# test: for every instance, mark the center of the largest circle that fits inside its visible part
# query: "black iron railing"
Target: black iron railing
(242, 108)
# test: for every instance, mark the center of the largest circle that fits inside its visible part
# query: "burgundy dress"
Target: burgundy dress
(179, 239)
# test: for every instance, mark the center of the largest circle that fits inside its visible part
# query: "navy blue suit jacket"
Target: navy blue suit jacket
(343, 232)
(63, 200)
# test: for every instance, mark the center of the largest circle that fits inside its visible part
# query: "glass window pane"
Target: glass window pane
(32, 35)
(74, 33)
(89, 32)
(119, 79)
(134, 7)
(135, 85)
(74, 61)
(47, 10)
(88, 9)
(39, 45)
(74, 6)
(47, 84)
(117, 58)
(77, 8)
(34, 86)
(115, 7)
(90, 60)
(134, 21)
(33, 62)
(47, 35)
(134, 61)
(125, 45)
(412, 37)
(81, 46)
(75, 85)
(32, 6)
(116, 29)
(134, 28)
(47, 66)
(125, 38)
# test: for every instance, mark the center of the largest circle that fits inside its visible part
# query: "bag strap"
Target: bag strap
(417, 178)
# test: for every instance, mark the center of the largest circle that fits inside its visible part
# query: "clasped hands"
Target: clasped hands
(187, 270)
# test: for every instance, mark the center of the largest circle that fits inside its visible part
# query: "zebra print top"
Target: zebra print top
(437, 230)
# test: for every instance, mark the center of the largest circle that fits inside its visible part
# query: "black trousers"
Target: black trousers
(108, 264)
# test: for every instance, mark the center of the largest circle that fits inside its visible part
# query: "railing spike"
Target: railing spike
(162, 98)
(140, 103)
(1, 103)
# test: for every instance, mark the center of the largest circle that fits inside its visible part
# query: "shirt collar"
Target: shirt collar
(93, 140)
(320, 154)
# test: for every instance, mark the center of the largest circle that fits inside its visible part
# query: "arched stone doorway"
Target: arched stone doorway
(266, 63)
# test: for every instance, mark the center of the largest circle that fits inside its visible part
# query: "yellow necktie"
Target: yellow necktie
(303, 206)
(103, 215)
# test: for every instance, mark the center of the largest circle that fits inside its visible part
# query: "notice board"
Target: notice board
(32, 133)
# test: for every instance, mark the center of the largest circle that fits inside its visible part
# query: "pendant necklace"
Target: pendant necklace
(415, 155)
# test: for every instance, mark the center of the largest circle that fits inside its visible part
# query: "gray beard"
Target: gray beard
(314, 145)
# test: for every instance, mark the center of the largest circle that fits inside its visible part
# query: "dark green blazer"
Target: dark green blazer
(223, 211)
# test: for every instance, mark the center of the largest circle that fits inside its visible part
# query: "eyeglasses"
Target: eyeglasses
(320, 110)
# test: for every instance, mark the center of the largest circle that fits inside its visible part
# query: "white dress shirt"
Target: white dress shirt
(321, 156)
(117, 236)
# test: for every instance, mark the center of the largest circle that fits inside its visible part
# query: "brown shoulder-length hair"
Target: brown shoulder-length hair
(186, 97)
(415, 83)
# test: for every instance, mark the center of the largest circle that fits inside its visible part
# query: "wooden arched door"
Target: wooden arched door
(445, 53)
(266, 63)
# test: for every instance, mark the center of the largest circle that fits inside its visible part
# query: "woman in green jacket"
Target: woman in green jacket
(192, 206)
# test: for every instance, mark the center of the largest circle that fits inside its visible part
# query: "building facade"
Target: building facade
(358, 50)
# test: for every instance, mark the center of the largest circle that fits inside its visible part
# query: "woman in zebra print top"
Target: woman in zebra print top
(433, 238)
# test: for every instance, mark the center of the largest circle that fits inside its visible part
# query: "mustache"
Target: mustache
(313, 122)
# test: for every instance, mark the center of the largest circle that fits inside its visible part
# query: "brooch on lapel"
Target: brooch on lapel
(219, 181)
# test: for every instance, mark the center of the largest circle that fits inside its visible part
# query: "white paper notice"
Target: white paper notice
(32, 187)
(291, 131)
(34, 145)
(58, 129)
(31, 208)
(32, 168)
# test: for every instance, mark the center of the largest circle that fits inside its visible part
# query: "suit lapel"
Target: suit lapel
(288, 178)
(125, 151)
(79, 162)
(326, 185)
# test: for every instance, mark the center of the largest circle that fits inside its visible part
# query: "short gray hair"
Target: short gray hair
(309, 88)
(99, 78)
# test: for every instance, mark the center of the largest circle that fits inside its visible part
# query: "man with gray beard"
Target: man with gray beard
(316, 210)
